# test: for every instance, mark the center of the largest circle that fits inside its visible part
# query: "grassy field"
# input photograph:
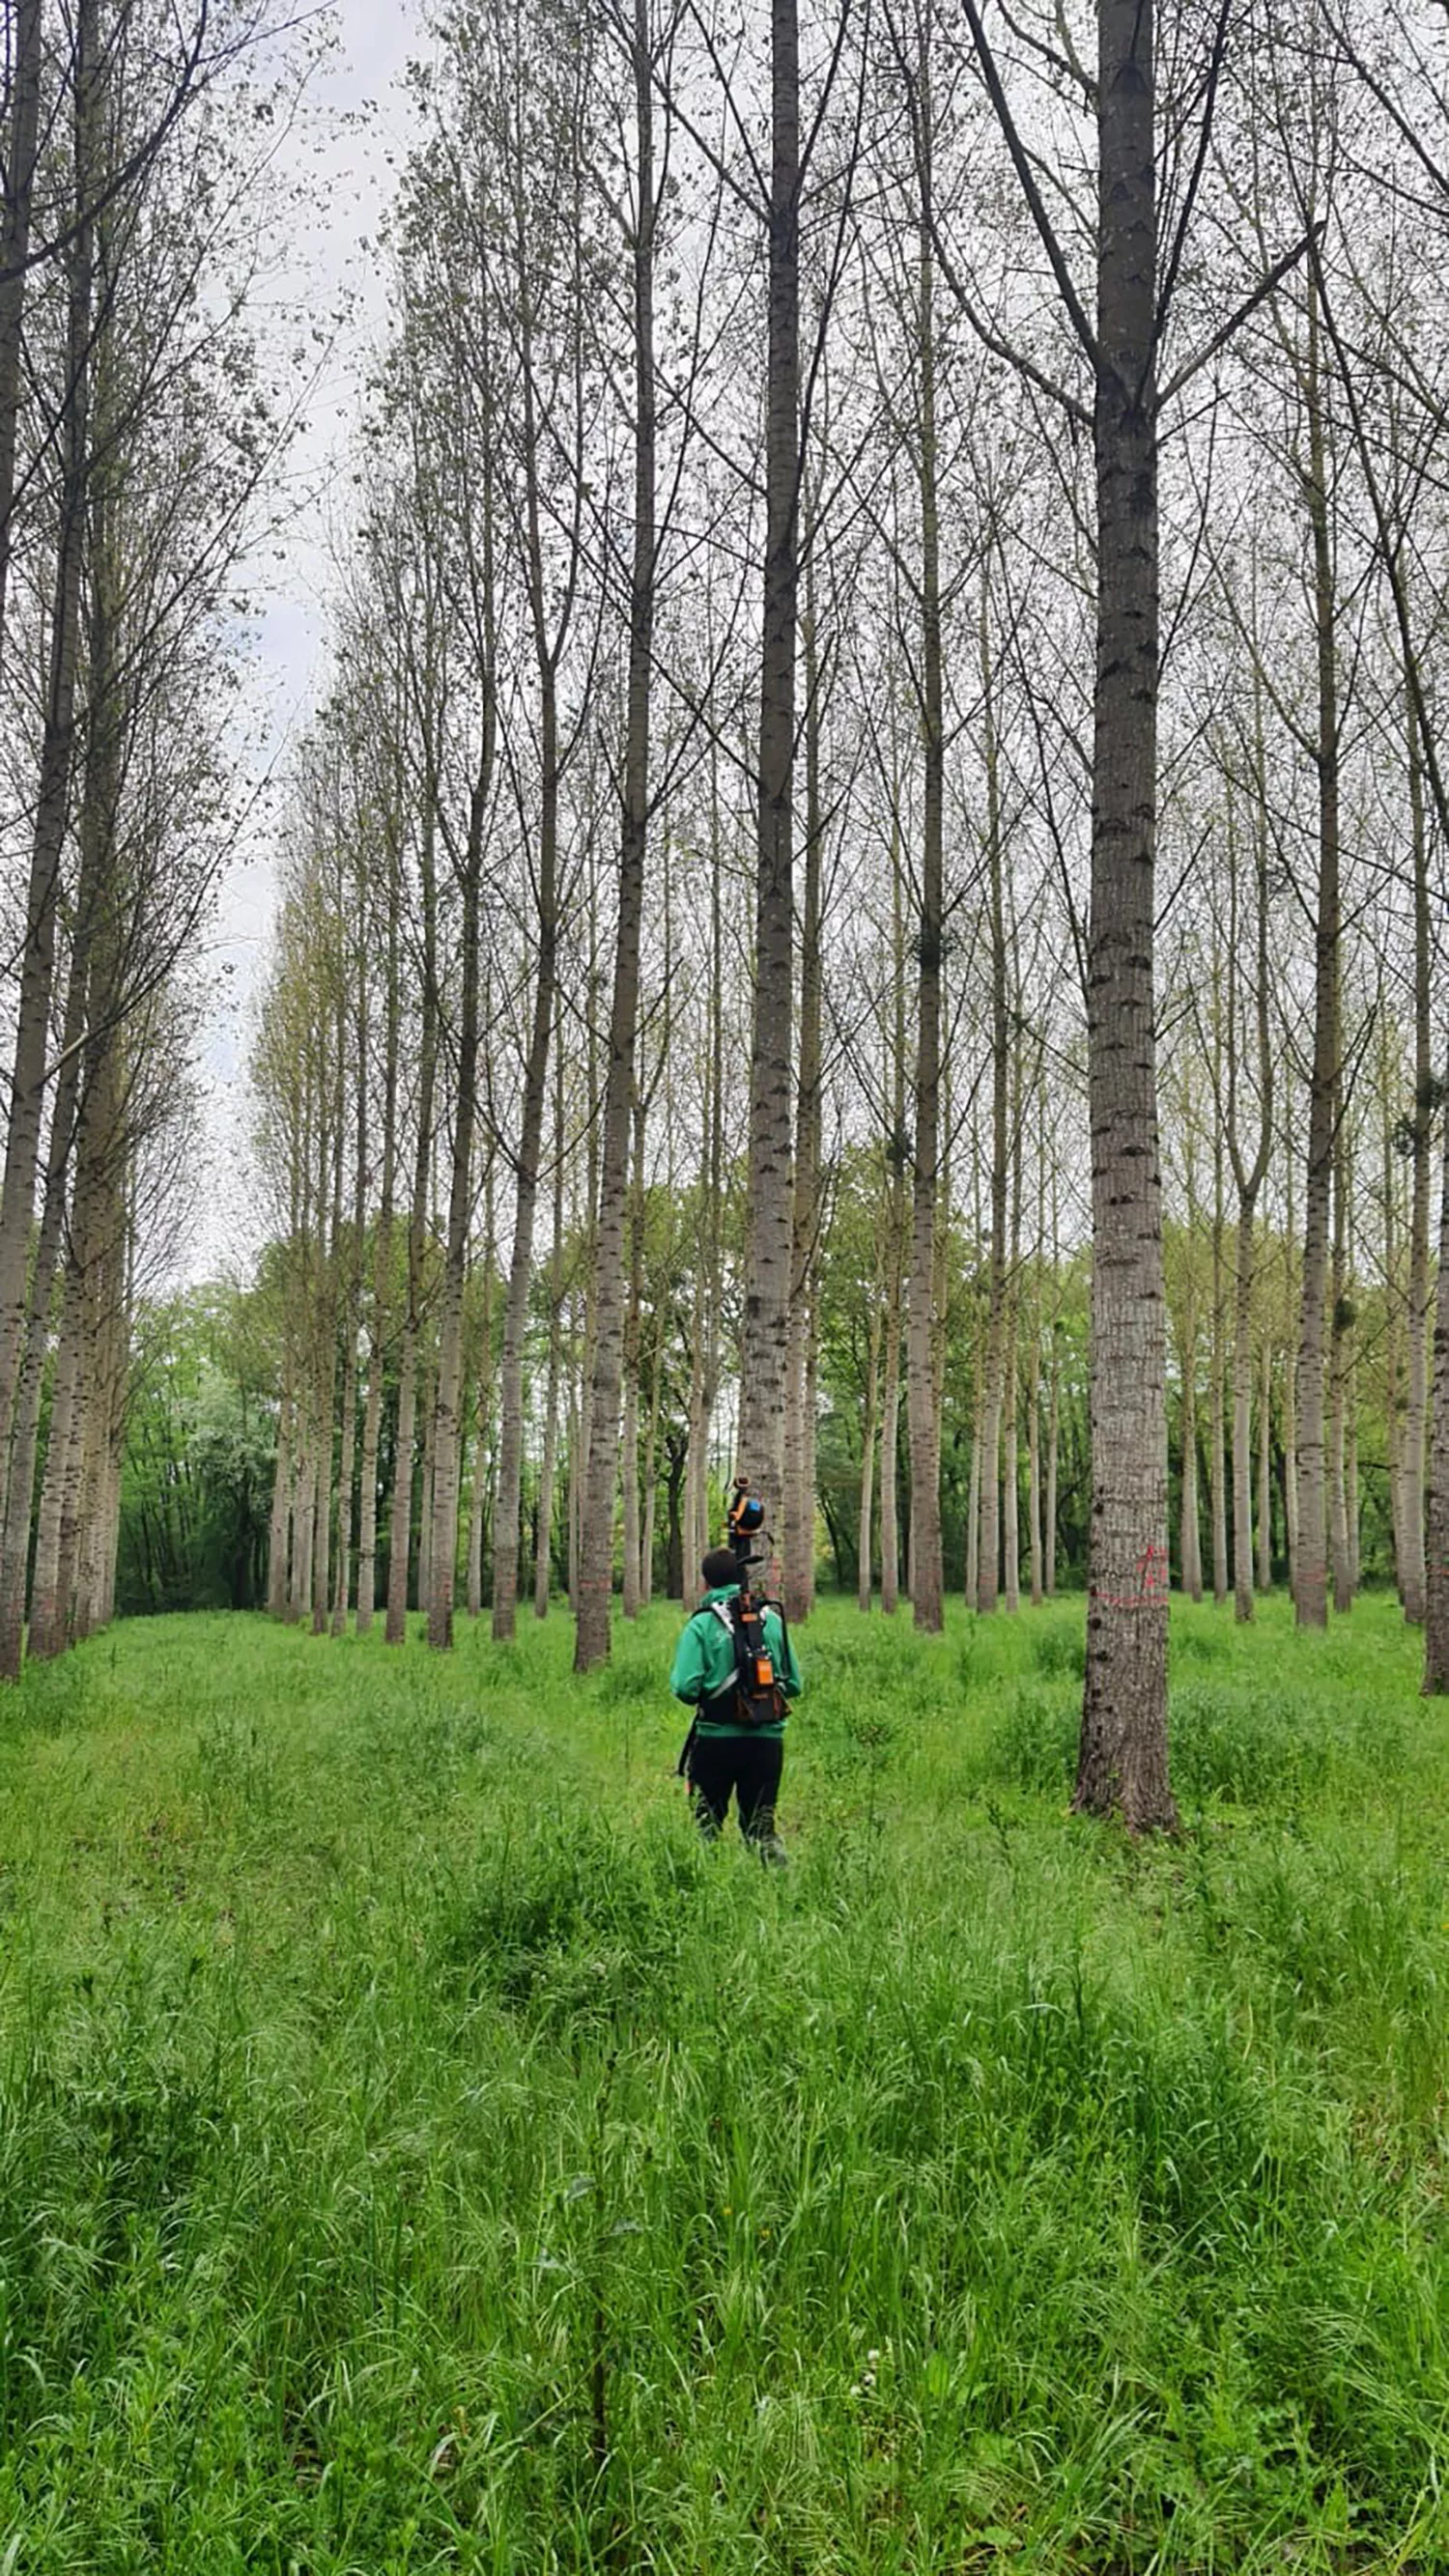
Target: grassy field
(417, 2154)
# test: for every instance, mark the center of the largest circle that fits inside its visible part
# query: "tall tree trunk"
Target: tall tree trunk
(631, 1576)
(1053, 1472)
(705, 1356)
(483, 1450)
(890, 1442)
(299, 1598)
(101, 1474)
(400, 1514)
(1011, 1408)
(1033, 1399)
(922, 1413)
(1217, 1432)
(548, 1468)
(400, 1534)
(1396, 1304)
(1290, 1372)
(29, 1066)
(18, 197)
(989, 1410)
(1249, 1175)
(322, 1523)
(761, 1445)
(973, 1503)
(1265, 1474)
(477, 1505)
(1011, 1481)
(1436, 1500)
(78, 1362)
(596, 1536)
(506, 1531)
(812, 1394)
(346, 1459)
(1218, 1475)
(47, 1637)
(97, 837)
(1341, 1344)
(299, 1605)
(1122, 1767)
(1311, 1469)
(988, 1414)
(82, 1526)
(1351, 1483)
(865, 1526)
(574, 1499)
(696, 1472)
(448, 1409)
(282, 1496)
(896, 1157)
(548, 1495)
(382, 1272)
(674, 1528)
(326, 1321)
(1411, 1562)
(94, 1234)
(1189, 1520)
(651, 1484)
(422, 1586)
(633, 1566)
(805, 1223)
(1242, 1409)
(1191, 1542)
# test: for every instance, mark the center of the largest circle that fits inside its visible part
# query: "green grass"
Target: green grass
(417, 2154)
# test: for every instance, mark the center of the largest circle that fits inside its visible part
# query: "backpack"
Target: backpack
(758, 1698)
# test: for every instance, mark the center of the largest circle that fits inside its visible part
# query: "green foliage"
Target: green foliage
(196, 1484)
(418, 2153)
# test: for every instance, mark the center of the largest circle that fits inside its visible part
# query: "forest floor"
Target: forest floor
(416, 2153)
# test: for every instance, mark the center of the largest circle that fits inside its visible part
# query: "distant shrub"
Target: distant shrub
(1242, 1747)
(1059, 1650)
(1264, 1749)
(1337, 1927)
(1245, 1748)
(1201, 1645)
(1033, 1744)
(1378, 1742)
(236, 1763)
(630, 1683)
(427, 1743)
(58, 1696)
(573, 1900)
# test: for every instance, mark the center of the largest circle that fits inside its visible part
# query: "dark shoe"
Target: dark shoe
(767, 1842)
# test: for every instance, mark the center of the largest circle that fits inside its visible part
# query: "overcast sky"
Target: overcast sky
(348, 182)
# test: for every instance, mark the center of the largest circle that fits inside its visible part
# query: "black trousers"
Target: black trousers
(750, 1765)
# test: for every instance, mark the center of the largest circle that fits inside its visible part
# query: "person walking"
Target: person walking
(737, 1742)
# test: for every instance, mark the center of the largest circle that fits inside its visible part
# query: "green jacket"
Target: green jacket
(704, 1662)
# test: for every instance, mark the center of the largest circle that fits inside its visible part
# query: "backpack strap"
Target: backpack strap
(720, 1707)
(742, 1701)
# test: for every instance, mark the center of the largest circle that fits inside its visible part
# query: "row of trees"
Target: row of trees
(199, 1479)
(763, 802)
(137, 428)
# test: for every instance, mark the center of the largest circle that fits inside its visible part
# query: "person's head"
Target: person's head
(719, 1568)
